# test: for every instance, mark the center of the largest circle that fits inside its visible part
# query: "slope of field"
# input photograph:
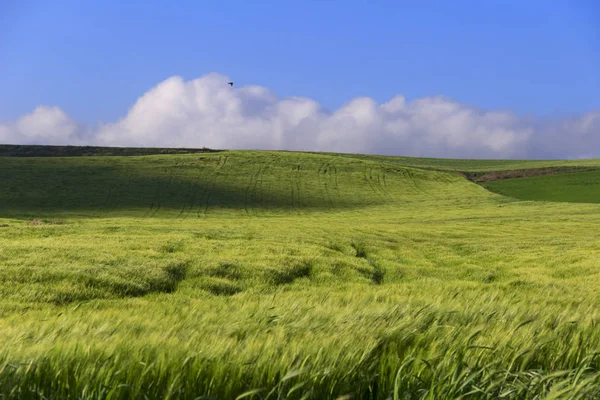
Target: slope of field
(289, 275)
(466, 165)
(579, 187)
(198, 185)
(575, 181)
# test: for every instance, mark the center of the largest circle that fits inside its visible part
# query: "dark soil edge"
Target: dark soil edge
(9, 150)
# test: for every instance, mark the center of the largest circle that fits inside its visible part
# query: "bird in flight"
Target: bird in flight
(231, 84)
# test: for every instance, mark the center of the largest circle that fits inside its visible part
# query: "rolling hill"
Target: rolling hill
(255, 274)
(236, 182)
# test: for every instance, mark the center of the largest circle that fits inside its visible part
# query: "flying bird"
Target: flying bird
(231, 84)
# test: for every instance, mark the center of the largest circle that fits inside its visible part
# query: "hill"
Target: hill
(194, 185)
(250, 274)
(473, 165)
(575, 181)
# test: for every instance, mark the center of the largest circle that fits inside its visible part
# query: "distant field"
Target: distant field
(460, 165)
(578, 187)
(271, 275)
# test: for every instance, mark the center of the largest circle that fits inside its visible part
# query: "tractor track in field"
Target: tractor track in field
(207, 187)
(113, 196)
(195, 203)
(209, 193)
(298, 185)
(156, 203)
(258, 186)
(411, 181)
(381, 184)
(385, 186)
(190, 203)
(375, 186)
(294, 179)
(189, 199)
(154, 200)
(335, 180)
(291, 181)
(250, 196)
(324, 182)
(259, 191)
(102, 208)
(368, 181)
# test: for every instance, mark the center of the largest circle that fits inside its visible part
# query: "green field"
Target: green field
(470, 165)
(580, 187)
(272, 275)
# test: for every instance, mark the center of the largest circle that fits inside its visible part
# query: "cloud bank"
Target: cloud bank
(207, 112)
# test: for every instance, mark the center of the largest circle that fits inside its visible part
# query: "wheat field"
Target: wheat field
(271, 275)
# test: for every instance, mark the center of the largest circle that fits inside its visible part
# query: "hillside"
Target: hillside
(185, 185)
(466, 165)
(197, 185)
(251, 274)
(579, 187)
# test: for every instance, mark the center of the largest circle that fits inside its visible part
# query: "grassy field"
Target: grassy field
(294, 275)
(579, 187)
(471, 165)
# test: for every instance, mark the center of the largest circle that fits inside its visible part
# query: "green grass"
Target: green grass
(579, 187)
(224, 183)
(472, 165)
(289, 275)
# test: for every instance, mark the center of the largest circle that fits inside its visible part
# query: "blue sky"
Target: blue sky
(94, 59)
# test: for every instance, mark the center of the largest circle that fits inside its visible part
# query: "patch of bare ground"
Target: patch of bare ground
(522, 173)
(38, 222)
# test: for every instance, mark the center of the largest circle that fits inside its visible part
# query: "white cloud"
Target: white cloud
(208, 112)
(47, 125)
